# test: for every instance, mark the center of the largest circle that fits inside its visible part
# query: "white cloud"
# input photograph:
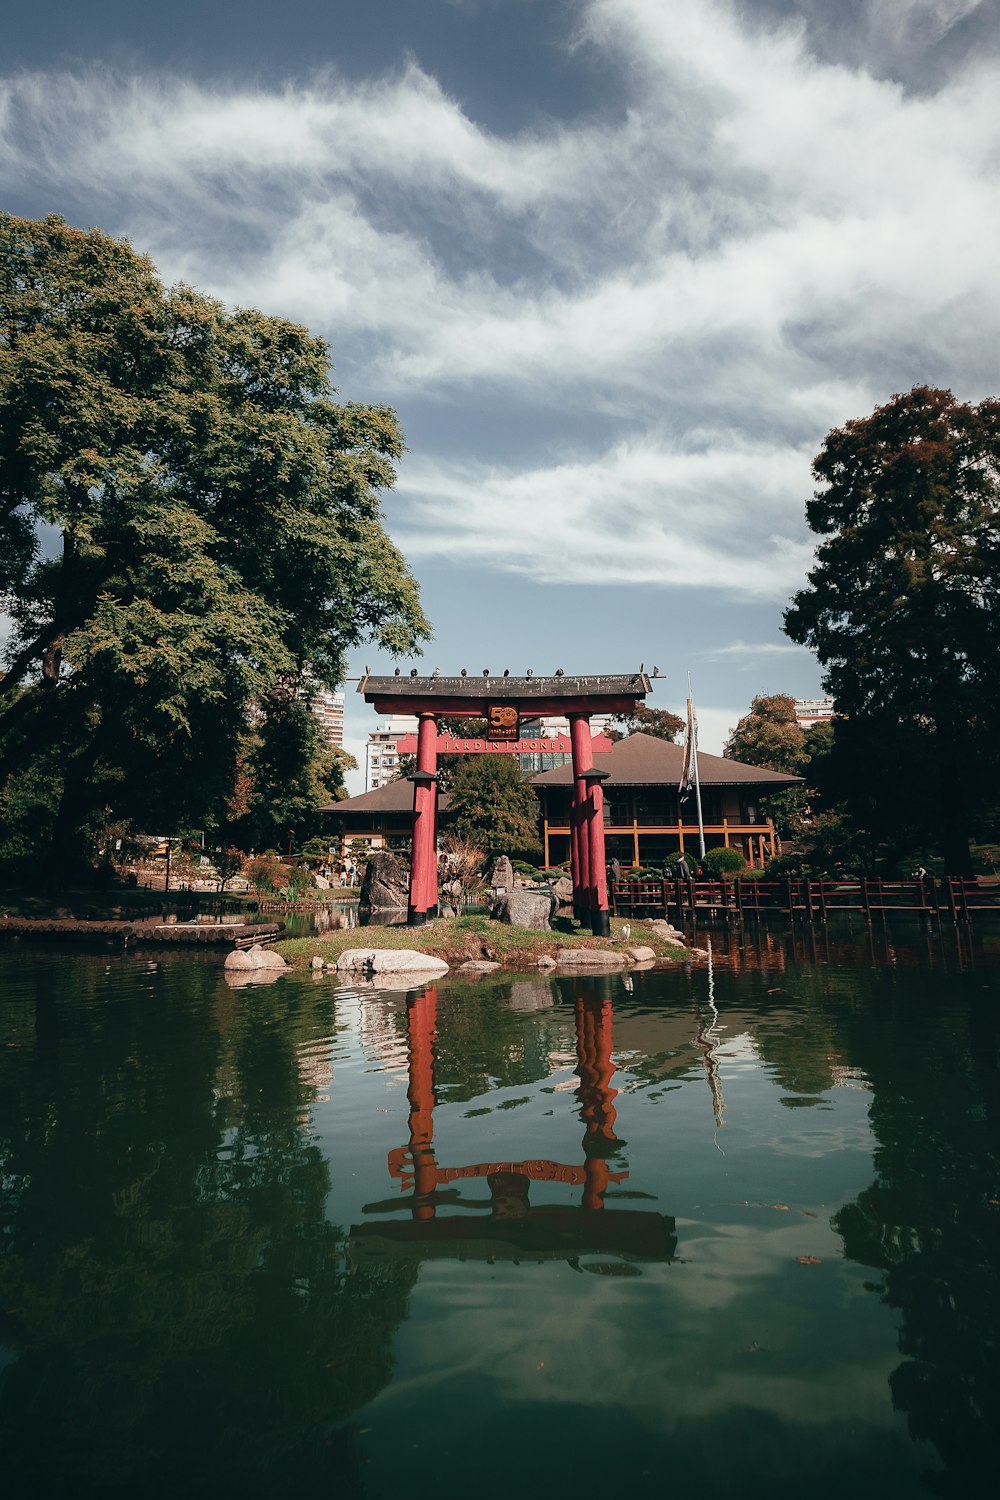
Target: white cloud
(685, 296)
(639, 513)
(753, 649)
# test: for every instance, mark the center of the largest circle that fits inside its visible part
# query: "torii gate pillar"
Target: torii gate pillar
(587, 846)
(423, 864)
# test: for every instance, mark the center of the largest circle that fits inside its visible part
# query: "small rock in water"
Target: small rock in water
(317, 963)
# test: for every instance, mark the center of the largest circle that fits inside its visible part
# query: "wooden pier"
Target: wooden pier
(953, 898)
(139, 934)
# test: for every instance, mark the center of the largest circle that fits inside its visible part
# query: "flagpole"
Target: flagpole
(693, 723)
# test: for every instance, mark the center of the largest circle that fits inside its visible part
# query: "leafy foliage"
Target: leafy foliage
(493, 805)
(903, 610)
(771, 736)
(724, 862)
(656, 721)
(218, 538)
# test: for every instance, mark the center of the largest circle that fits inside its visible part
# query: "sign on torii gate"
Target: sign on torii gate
(503, 701)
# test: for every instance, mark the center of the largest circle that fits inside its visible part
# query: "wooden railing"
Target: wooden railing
(813, 899)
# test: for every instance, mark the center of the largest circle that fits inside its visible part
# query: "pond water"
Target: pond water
(727, 1231)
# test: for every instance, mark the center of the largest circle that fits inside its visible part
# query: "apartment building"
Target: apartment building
(809, 711)
(329, 710)
(382, 752)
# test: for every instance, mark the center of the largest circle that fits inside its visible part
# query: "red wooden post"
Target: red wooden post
(583, 758)
(592, 823)
(423, 863)
(600, 923)
(580, 902)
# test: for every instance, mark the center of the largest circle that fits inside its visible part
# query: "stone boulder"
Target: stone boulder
(589, 958)
(253, 966)
(385, 885)
(370, 961)
(667, 934)
(563, 891)
(254, 958)
(478, 966)
(501, 876)
(525, 908)
(641, 953)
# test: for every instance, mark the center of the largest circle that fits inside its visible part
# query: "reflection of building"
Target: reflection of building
(506, 1225)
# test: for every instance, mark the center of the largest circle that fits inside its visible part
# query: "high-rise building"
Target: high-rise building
(812, 710)
(381, 752)
(329, 710)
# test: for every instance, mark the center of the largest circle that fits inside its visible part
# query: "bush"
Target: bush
(723, 862)
(266, 873)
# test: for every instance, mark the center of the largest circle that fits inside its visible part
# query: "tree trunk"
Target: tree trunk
(68, 850)
(955, 821)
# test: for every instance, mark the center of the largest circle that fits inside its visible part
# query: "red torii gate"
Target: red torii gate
(503, 701)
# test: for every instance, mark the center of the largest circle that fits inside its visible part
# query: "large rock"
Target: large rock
(385, 884)
(390, 961)
(668, 934)
(589, 958)
(524, 908)
(254, 958)
(641, 953)
(501, 877)
(253, 966)
(563, 891)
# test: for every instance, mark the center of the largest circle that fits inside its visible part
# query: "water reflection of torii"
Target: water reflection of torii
(515, 1228)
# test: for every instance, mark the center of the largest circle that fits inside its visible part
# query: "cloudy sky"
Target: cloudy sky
(619, 265)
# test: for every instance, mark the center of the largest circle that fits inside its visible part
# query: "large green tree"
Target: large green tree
(659, 722)
(771, 736)
(493, 805)
(190, 529)
(903, 610)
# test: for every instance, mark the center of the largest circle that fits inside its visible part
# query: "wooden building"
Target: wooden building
(381, 818)
(644, 821)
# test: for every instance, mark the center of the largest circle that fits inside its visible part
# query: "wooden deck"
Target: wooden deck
(139, 934)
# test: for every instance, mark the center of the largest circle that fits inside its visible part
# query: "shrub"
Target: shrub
(266, 873)
(724, 862)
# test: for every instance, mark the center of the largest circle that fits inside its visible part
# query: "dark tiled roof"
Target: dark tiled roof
(644, 760)
(395, 796)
